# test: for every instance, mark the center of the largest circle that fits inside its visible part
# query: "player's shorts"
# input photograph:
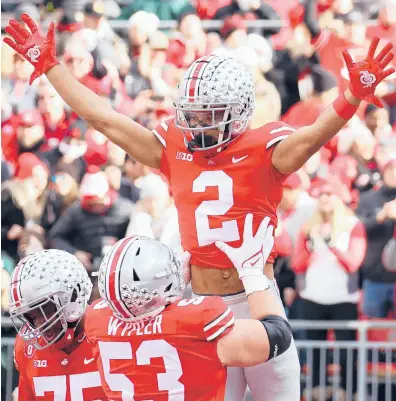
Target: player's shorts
(275, 380)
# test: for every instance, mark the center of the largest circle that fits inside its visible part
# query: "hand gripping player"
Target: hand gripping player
(49, 293)
(230, 170)
(151, 344)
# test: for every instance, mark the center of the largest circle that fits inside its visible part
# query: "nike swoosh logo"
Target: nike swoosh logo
(234, 160)
(87, 361)
(100, 305)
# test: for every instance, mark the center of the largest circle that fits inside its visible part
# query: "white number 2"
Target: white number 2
(147, 350)
(58, 385)
(219, 207)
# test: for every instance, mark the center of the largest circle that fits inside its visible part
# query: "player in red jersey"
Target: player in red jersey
(49, 293)
(150, 344)
(218, 169)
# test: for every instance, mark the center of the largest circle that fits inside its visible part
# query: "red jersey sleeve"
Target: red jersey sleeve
(161, 131)
(218, 319)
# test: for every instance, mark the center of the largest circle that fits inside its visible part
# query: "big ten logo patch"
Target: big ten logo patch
(184, 156)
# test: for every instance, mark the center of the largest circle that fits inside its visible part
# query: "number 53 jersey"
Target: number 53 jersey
(171, 357)
(52, 375)
(213, 195)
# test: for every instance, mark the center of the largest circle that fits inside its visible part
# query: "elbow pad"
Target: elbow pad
(279, 334)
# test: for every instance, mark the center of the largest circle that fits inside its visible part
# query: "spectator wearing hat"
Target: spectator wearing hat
(65, 29)
(251, 9)
(27, 200)
(377, 211)
(306, 111)
(234, 32)
(328, 253)
(30, 133)
(99, 215)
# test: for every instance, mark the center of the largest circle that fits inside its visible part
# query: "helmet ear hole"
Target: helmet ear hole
(138, 251)
(135, 276)
(167, 289)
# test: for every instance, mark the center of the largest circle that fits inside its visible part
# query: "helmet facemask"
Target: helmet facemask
(196, 119)
(59, 311)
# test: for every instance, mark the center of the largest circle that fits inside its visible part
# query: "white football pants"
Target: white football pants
(275, 380)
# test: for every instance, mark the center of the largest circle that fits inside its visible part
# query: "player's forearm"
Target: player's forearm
(306, 141)
(82, 100)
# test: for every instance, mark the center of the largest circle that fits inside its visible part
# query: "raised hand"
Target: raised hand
(39, 50)
(367, 74)
(251, 256)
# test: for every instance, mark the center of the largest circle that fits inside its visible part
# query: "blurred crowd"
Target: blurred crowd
(64, 185)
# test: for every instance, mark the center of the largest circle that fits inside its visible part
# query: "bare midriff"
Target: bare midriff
(211, 281)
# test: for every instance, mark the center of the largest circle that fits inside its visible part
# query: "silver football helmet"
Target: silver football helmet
(138, 277)
(216, 92)
(49, 293)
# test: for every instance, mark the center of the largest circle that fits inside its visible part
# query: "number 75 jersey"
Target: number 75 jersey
(213, 195)
(171, 357)
(52, 375)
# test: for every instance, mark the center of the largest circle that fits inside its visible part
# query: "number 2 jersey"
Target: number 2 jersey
(213, 195)
(171, 357)
(52, 375)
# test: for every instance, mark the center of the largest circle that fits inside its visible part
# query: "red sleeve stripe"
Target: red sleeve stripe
(276, 140)
(225, 326)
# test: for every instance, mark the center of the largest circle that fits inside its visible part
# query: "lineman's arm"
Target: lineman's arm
(136, 140)
(267, 334)
(247, 344)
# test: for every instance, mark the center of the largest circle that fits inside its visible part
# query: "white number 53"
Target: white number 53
(148, 349)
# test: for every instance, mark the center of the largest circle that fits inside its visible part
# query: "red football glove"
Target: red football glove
(35, 48)
(367, 74)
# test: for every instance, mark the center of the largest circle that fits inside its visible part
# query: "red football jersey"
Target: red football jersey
(53, 375)
(213, 195)
(170, 357)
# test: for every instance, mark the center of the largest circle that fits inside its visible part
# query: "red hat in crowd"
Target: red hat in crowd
(25, 165)
(231, 24)
(30, 118)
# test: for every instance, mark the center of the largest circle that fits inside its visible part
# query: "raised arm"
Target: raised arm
(39, 50)
(267, 334)
(364, 77)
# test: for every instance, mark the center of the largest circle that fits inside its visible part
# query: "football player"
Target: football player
(218, 169)
(49, 293)
(151, 344)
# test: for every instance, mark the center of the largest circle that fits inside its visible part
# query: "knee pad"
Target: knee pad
(279, 334)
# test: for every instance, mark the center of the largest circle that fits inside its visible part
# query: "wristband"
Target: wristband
(255, 283)
(343, 108)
